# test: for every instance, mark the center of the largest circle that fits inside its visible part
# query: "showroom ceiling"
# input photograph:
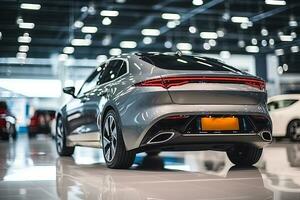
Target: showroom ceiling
(92, 28)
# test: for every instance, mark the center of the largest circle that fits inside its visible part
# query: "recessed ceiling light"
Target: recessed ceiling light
(197, 2)
(220, 33)
(264, 32)
(89, 29)
(81, 42)
(26, 25)
(254, 41)
(294, 49)
(271, 41)
(286, 38)
(168, 44)
(225, 54)
(109, 13)
(150, 32)
(212, 42)
(147, 40)
(192, 29)
(115, 51)
(285, 67)
(279, 52)
(237, 19)
(30, 6)
(206, 46)
(171, 24)
(106, 21)
(293, 23)
(68, 50)
(23, 48)
(78, 24)
(264, 43)
(252, 49)
(128, 44)
(21, 55)
(170, 16)
(241, 43)
(24, 39)
(209, 35)
(185, 46)
(276, 2)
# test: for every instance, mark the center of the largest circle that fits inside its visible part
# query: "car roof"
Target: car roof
(284, 97)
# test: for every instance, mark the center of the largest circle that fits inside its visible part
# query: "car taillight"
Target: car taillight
(167, 82)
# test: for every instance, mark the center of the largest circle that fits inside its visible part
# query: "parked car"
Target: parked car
(285, 114)
(147, 102)
(40, 122)
(7, 122)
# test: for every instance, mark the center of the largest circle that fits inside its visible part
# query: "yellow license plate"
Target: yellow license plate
(220, 124)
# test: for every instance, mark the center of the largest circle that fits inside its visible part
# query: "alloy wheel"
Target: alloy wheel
(109, 138)
(295, 130)
(59, 135)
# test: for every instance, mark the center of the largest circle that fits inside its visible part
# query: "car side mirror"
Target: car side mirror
(70, 91)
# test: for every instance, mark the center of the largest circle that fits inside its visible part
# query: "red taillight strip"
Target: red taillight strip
(167, 82)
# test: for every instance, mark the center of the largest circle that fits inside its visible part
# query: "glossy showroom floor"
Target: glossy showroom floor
(30, 169)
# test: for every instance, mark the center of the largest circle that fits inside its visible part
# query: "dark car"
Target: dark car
(40, 122)
(7, 122)
(147, 102)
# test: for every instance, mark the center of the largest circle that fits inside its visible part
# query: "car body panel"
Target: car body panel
(139, 108)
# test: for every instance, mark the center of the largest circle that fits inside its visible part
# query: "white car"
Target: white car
(285, 114)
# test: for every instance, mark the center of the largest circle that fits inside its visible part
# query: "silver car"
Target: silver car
(152, 102)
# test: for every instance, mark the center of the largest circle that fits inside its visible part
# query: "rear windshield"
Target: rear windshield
(176, 62)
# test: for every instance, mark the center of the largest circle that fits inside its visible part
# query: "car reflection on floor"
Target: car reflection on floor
(30, 169)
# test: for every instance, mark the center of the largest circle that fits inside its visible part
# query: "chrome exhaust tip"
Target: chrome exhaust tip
(266, 136)
(161, 137)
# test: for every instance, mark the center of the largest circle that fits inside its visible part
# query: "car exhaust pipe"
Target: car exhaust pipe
(161, 137)
(266, 136)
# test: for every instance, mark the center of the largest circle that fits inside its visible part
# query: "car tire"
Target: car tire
(244, 155)
(114, 151)
(61, 140)
(291, 130)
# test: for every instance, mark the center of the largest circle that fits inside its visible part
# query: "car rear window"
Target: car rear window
(176, 62)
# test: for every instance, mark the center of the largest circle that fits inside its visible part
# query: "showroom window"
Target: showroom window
(274, 105)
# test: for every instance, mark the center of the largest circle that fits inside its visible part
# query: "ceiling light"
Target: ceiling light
(23, 48)
(285, 67)
(271, 41)
(220, 33)
(115, 51)
(150, 32)
(30, 6)
(147, 40)
(293, 34)
(293, 23)
(279, 52)
(244, 26)
(26, 25)
(239, 19)
(81, 42)
(91, 10)
(286, 38)
(225, 54)
(252, 49)
(192, 29)
(206, 46)
(171, 24)
(19, 20)
(168, 44)
(62, 57)
(264, 43)
(68, 50)
(106, 40)
(254, 41)
(89, 29)
(84, 9)
(212, 42)
(185, 46)
(128, 44)
(170, 16)
(276, 2)
(280, 70)
(241, 43)
(294, 49)
(106, 21)
(24, 39)
(109, 13)
(21, 55)
(264, 32)
(197, 2)
(78, 24)
(209, 35)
